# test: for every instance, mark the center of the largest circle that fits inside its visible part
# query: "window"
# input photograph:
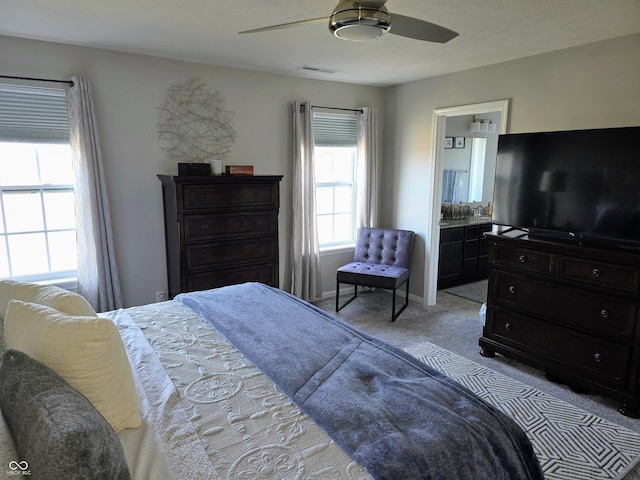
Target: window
(37, 211)
(335, 160)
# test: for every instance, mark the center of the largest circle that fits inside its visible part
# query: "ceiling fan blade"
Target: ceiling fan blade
(288, 25)
(420, 29)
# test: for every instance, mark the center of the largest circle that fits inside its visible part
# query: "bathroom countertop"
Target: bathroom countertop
(465, 221)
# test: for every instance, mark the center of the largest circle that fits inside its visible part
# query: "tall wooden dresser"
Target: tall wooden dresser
(220, 230)
(569, 310)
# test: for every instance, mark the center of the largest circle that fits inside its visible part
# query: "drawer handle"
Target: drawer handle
(596, 272)
(598, 357)
(604, 313)
(522, 259)
(508, 327)
(512, 289)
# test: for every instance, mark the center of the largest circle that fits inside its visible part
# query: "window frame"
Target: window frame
(35, 116)
(346, 137)
(5, 235)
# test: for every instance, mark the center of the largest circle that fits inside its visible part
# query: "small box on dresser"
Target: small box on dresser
(569, 310)
(220, 230)
(238, 169)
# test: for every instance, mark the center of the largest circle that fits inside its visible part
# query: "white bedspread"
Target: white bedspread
(209, 413)
(166, 446)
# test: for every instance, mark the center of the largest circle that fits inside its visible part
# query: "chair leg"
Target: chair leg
(355, 294)
(394, 315)
(393, 306)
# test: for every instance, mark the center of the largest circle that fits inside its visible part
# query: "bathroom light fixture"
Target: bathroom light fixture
(481, 125)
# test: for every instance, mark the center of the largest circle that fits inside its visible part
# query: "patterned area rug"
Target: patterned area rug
(476, 291)
(570, 443)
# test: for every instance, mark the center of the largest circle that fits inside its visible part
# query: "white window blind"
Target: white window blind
(33, 115)
(333, 130)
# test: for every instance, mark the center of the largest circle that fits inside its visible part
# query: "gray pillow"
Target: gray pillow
(57, 431)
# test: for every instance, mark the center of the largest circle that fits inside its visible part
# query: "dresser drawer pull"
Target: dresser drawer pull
(596, 272)
(598, 357)
(604, 313)
(522, 259)
(512, 289)
(507, 327)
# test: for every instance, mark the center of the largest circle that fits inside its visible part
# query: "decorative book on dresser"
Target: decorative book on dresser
(569, 310)
(220, 230)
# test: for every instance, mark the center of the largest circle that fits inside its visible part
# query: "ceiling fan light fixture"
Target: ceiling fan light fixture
(352, 21)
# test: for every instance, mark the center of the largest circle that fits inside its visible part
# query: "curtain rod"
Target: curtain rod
(359, 110)
(32, 79)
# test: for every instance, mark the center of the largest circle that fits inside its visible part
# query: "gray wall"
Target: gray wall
(592, 86)
(127, 91)
(584, 87)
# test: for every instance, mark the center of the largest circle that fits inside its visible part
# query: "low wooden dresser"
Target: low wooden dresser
(220, 230)
(569, 310)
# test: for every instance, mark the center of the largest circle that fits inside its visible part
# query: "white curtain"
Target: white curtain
(367, 213)
(97, 272)
(305, 252)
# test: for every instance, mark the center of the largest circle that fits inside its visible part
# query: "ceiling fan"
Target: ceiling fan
(370, 19)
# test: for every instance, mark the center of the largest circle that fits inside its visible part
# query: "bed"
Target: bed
(240, 382)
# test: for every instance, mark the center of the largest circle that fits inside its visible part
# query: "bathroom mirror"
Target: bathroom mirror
(463, 175)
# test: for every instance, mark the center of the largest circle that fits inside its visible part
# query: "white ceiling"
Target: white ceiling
(206, 31)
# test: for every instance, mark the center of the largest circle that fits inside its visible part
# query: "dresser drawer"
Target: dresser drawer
(448, 235)
(606, 315)
(472, 231)
(471, 248)
(228, 196)
(218, 254)
(599, 273)
(207, 227)
(604, 361)
(230, 276)
(522, 258)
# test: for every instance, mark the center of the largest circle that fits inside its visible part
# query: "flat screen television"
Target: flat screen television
(580, 185)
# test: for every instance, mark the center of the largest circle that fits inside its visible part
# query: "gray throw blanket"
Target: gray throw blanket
(391, 413)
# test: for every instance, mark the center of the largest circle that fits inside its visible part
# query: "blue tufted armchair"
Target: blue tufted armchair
(382, 260)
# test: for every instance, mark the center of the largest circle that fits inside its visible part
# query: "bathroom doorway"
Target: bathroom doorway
(440, 117)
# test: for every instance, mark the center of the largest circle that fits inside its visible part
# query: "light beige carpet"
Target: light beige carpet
(476, 291)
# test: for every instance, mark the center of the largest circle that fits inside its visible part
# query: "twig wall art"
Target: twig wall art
(196, 123)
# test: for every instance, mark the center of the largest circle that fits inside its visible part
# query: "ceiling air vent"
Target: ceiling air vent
(309, 68)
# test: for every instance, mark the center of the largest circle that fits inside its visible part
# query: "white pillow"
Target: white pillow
(86, 351)
(49, 295)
